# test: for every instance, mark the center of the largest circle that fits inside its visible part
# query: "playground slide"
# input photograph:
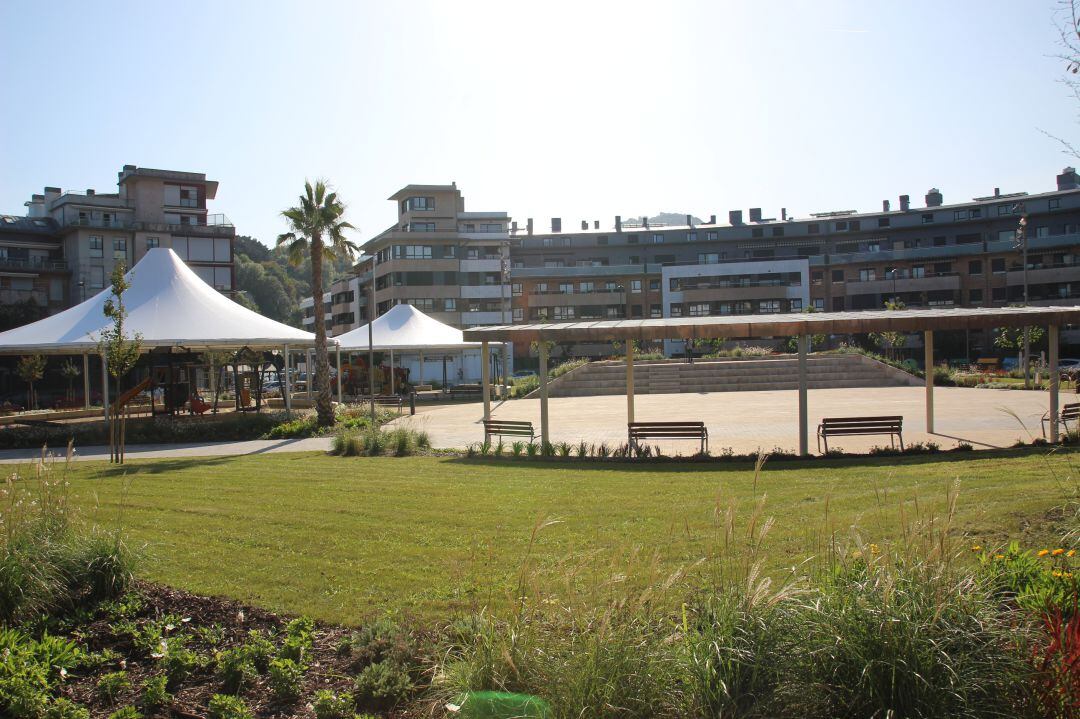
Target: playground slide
(129, 395)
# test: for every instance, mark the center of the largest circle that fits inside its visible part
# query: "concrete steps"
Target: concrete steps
(742, 375)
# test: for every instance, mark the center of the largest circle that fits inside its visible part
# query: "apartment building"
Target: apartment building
(88, 232)
(938, 255)
(438, 257)
(32, 264)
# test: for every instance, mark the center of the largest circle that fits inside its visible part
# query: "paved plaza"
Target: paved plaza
(747, 421)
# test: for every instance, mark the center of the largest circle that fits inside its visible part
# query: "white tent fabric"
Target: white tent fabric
(169, 305)
(405, 328)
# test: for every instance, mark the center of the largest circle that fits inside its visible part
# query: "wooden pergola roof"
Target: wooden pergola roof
(779, 325)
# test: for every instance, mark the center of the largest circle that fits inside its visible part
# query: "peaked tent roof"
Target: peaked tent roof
(405, 328)
(169, 305)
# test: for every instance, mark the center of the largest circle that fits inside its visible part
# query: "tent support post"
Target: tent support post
(340, 399)
(545, 435)
(391, 371)
(505, 372)
(288, 388)
(629, 381)
(104, 388)
(928, 346)
(485, 377)
(1055, 379)
(86, 380)
(308, 371)
(804, 424)
(420, 374)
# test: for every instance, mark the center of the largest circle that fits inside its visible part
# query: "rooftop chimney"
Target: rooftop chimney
(933, 197)
(618, 223)
(584, 224)
(905, 203)
(513, 227)
(712, 219)
(1068, 179)
(51, 193)
(734, 217)
(556, 224)
(645, 221)
(885, 206)
(89, 192)
(755, 214)
(689, 220)
(783, 213)
(997, 192)
(529, 226)
(596, 224)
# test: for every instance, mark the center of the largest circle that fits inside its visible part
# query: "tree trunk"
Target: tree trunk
(323, 407)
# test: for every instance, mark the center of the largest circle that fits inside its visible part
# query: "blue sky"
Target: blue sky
(581, 110)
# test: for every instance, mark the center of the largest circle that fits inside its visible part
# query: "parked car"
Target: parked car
(523, 373)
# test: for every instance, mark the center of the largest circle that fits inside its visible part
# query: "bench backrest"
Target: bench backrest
(665, 429)
(1071, 411)
(836, 425)
(498, 426)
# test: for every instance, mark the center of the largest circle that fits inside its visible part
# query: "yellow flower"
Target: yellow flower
(1044, 552)
(856, 554)
(976, 547)
(1058, 552)
(1070, 553)
(1055, 573)
(874, 549)
(999, 556)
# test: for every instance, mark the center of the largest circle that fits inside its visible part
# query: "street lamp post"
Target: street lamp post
(893, 272)
(1022, 245)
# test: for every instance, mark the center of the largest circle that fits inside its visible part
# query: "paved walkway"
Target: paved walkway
(746, 421)
(158, 451)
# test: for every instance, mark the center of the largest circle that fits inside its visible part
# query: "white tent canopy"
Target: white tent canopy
(405, 328)
(169, 306)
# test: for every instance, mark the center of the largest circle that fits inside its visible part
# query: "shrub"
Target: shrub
(235, 670)
(299, 635)
(179, 662)
(110, 686)
(381, 640)
(128, 712)
(155, 692)
(522, 386)
(226, 706)
(62, 708)
(286, 679)
(383, 685)
(517, 448)
(29, 668)
(328, 705)
(259, 649)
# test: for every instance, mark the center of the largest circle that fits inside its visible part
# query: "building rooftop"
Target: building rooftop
(131, 171)
(410, 190)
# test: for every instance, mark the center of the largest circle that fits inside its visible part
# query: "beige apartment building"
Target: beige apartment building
(93, 230)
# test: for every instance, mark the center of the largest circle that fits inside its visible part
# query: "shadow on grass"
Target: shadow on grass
(720, 464)
(135, 467)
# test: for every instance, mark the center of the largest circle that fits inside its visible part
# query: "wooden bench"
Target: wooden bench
(386, 400)
(892, 425)
(463, 390)
(1069, 413)
(668, 430)
(498, 427)
(987, 364)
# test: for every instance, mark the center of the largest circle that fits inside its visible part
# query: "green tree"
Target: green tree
(30, 369)
(815, 340)
(317, 230)
(120, 353)
(890, 342)
(69, 371)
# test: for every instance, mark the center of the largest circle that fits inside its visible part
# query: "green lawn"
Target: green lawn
(341, 539)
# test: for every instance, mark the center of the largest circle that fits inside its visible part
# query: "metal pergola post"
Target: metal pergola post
(1055, 379)
(545, 436)
(485, 377)
(928, 361)
(804, 424)
(340, 399)
(86, 380)
(391, 371)
(104, 387)
(629, 380)
(288, 385)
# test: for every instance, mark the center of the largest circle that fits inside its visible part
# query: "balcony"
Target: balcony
(216, 225)
(10, 297)
(1045, 273)
(484, 291)
(940, 281)
(33, 264)
(555, 298)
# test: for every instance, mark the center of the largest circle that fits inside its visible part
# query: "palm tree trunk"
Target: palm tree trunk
(323, 407)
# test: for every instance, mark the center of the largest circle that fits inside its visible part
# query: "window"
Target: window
(1042, 231)
(515, 289)
(675, 309)
(997, 264)
(778, 232)
(942, 268)
(449, 251)
(819, 304)
(635, 285)
(769, 306)
(554, 263)
(97, 278)
(975, 296)
(698, 309)
(119, 246)
(657, 238)
(602, 240)
(971, 238)
(152, 242)
(490, 227)
(422, 227)
(757, 232)
(873, 247)
(998, 294)
(540, 288)
(450, 304)
(563, 313)
(940, 241)
(796, 304)
(708, 258)
(837, 275)
(519, 314)
(711, 236)
(927, 218)
(632, 239)
(654, 285)
(586, 287)
(841, 226)
(809, 250)
(424, 204)
(837, 304)
(656, 311)
(918, 271)
(1004, 210)
(425, 304)
(975, 267)
(976, 213)
(959, 215)
(867, 275)
(412, 252)
(566, 288)
(96, 246)
(813, 228)
(1055, 203)
(691, 237)
(884, 221)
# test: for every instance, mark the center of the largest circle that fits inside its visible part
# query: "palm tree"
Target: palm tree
(317, 229)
